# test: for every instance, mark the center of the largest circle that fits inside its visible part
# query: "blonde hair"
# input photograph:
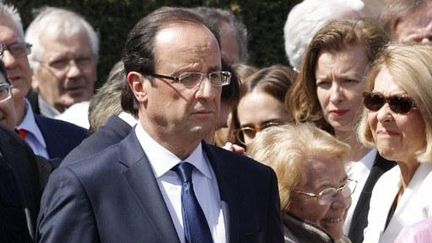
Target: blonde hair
(410, 66)
(288, 148)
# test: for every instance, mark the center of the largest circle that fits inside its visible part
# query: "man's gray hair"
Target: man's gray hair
(58, 22)
(11, 13)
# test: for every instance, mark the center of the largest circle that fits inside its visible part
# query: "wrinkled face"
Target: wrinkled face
(18, 68)
(188, 113)
(67, 71)
(258, 110)
(397, 136)
(416, 26)
(8, 117)
(340, 83)
(319, 174)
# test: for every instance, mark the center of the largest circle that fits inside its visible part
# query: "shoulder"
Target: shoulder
(49, 123)
(241, 163)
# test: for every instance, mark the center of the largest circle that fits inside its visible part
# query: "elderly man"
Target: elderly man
(47, 137)
(140, 190)
(64, 56)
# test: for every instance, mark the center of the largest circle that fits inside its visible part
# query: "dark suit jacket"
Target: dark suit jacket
(20, 188)
(359, 218)
(113, 196)
(60, 136)
(111, 133)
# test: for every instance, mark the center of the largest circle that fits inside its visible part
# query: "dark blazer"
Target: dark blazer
(113, 196)
(20, 188)
(111, 133)
(60, 136)
(359, 218)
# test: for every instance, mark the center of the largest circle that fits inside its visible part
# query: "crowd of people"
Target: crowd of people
(188, 142)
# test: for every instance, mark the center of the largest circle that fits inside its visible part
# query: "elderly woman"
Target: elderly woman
(314, 189)
(398, 122)
(261, 103)
(328, 92)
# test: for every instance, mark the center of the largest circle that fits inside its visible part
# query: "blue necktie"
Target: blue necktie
(194, 223)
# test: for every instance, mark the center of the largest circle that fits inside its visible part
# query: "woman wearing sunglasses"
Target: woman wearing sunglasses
(314, 189)
(398, 122)
(328, 92)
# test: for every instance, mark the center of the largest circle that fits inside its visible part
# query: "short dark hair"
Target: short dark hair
(138, 53)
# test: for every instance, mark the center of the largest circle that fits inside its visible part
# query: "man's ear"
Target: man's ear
(137, 84)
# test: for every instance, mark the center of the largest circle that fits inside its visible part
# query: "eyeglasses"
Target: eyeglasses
(327, 196)
(5, 91)
(250, 132)
(400, 104)
(194, 79)
(63, 65)
(17, 49)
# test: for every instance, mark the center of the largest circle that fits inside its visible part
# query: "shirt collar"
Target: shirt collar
(128, 118)
(46, 109)
(29, 124)
(163, 160)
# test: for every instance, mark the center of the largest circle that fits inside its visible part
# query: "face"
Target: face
(416, 26)
(397, 136)
(170, 109)
(319, 174)
(61, 81)
(18, 68)
(8, 117)
(339, 86)
(257, 110)
(229, 44)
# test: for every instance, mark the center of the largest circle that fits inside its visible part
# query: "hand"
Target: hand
(235, 148)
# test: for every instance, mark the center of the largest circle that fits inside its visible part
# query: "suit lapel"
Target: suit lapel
(228, 189)
(141, 179)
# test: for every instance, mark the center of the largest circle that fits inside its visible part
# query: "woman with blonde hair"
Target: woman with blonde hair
(398, 122)
(314, 189)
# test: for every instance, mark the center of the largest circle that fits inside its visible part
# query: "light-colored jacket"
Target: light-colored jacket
(414, 206)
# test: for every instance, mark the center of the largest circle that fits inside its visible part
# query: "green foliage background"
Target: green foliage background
(113, 19)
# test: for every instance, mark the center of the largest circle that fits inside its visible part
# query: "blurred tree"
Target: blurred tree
(113, 19)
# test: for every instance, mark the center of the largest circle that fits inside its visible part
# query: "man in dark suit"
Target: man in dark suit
(162, 183)
(48, 138)
(21, 179)
(115, 130)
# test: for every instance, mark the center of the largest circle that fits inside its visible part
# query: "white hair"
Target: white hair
(11, 13)
(307, 17)
(57, 22)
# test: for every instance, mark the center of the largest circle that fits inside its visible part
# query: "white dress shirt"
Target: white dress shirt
(34, 136)
(204, 183)
(358, 171)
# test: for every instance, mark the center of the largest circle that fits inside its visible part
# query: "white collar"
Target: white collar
(29, 124)
(163, 160)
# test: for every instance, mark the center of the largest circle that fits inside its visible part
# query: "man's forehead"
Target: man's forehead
(10, 29)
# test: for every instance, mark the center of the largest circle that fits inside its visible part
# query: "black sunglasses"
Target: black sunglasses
(400, 104)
